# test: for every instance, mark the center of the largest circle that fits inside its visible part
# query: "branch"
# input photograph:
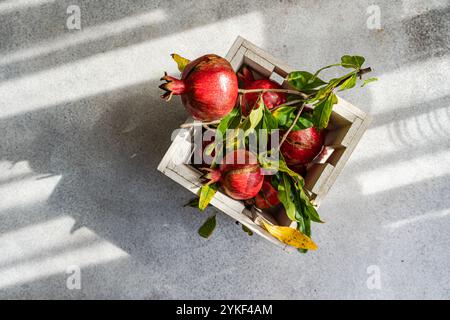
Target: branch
(292, 125)
(364, 71)
(290, 103)
(295, 92)
(358, 74)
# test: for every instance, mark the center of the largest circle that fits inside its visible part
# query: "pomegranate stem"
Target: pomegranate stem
(290, 103)
(295, 92)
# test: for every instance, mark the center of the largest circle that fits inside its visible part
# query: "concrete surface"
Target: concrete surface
(82, 130)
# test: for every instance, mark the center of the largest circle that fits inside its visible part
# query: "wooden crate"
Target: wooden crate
(347, 125)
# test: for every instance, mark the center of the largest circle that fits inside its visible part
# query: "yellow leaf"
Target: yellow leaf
(181, 62)
(207, 192)
(291, 237)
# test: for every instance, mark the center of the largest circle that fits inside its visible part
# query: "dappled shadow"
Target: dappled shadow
(126, 24)
(106, 148)
(429, 33)
(104, 281)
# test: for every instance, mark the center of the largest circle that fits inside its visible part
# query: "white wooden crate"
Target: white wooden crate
(346, 127)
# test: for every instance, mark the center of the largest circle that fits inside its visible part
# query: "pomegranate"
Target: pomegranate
(302, 146)
(271, 99)
(239, 175)
(208, 87)
(267, 196)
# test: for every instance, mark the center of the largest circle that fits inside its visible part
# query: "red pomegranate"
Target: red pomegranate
(302, 146)
(267, 197)
(208, 87)
(271, 99)
(239, 175)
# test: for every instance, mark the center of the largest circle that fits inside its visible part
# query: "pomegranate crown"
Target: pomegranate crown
(171, 86)
(211, 176)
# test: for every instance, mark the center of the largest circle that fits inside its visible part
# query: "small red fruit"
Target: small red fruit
(267, 197)
(239, 175)
(271, 99)
(302, 146)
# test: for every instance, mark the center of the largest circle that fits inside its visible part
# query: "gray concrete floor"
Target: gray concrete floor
(82, 130)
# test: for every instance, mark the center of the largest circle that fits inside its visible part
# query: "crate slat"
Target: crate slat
(258, 64)
(344, 158)
(238, 58)
(343, 137)
(280, 65)
(317, 175)
(237, 44)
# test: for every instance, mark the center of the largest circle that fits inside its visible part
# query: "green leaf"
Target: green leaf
(304, 81)
(300, 221)
(349, 83)
(269, 121)
(192, 203)
(253, 119)
(247, 230)
(354, 62)
(324, 92)
(208, 227)
(291, 97)
(207, 192)
(373, 79)
(267, 163)
(230, 121)
(308, 208)
(255, 116)
(305, 228)
(284, 195)
(282, 166)
(303, 123)
(304, 223)
(313, 214)
(303, 205)
(283, 114)
(322, 111)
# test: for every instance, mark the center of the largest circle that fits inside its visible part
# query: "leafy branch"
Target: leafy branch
(322, 96)
(318, 93)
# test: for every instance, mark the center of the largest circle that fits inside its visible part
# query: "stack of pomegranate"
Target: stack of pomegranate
(213, 93)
